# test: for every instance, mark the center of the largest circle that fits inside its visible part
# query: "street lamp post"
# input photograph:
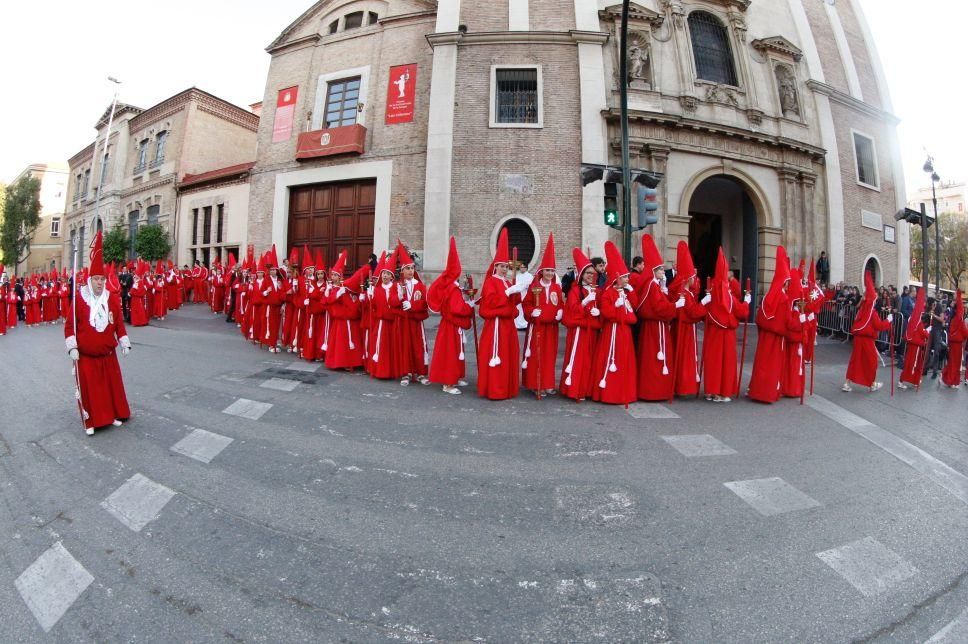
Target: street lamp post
(929, 168)
(626, 169)
(107, 140)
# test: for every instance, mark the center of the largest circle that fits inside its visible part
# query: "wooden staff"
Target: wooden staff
(536, 337)
(890, 339)
(803, 372)
(471, 292)
(702, 355)
(742, 359)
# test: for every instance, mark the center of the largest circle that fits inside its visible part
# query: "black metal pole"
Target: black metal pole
(937, 242)
(924, 248)
(626, 169)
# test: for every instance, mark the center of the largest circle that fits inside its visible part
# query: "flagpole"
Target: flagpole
(107, 138)
(74, 370)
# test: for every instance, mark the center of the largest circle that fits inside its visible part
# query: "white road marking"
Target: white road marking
(868, 565)
(651, 410)
(280, 384)
(955, 632)
(245, 408)
(52, 584)
(201, 445)
(308, 367)
(942, 474)
(771, 496)
(138, 502)
(693, 445)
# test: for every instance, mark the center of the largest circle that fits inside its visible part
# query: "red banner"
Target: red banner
(285, 114)
(401, 93)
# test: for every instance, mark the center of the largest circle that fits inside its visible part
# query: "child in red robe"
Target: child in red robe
(771, 322)
(139, 296)
(957, 334)
(448, 365)
(584, 321)
(497, 357)
(383, 343)
(655, 310)
(344, 344)
(916, 339)
(414, 352)
(868, 325)
(543, 315)
(685, 338)
(724, 311)
(792, 377)
(614, 366)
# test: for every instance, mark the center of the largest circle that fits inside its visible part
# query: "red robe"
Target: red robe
(64, 294)
(793, 374)
(686, 341)
(814, 306)
(310, 342)
(498, 351)
(248, 297)
(272, 296)
(577, 380)
(200, 278)
(3, 310)
(159, 305)
(719, 346)
(139, 303)
(414, 352)
(383, 343)
(656, 348)
(544, 331)
(51, 303)
(344, 348)
(99, 375)
(32, 306)
(916, 339)
(957, 334)
(188, 284)
(862, 368)
(448, 365)
(614, 369)
(218, 293)
(770, 352)
(11, 304)
(171, 291)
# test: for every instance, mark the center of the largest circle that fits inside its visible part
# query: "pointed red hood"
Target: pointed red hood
(340, 265)
(615, 265)
(781, 273)
(356, 280)
(440, 286)
(97, 257)
(651, 254)
(685, 268)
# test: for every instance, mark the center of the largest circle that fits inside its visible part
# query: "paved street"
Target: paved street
(256, 498)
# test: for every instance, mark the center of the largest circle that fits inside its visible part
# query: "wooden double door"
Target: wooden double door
(333, 217)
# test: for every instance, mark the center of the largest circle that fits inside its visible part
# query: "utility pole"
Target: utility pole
(626, 166)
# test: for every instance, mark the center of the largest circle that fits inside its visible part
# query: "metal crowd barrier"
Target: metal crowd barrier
(836, 319)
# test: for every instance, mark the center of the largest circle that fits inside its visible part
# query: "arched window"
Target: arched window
(710, 49)
(521, 236)
(873, 267)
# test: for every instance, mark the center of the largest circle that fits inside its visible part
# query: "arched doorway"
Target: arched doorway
(722, 213)
(873, 267)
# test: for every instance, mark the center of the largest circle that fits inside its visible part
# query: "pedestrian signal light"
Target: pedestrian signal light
(611, 205)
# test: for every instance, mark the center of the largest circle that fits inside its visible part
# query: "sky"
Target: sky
(56, 57)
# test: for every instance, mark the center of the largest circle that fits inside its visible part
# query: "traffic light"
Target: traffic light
(647, 205)
(611, 205)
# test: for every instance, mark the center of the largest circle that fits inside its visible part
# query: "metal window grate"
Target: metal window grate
(153, 215)
(220, 208)
(521, 236)
(710, 49)
(207, 225)
(342, 101)
(516, 96)
(353, 20)
(866, 167)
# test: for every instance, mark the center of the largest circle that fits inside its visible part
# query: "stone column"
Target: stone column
(789, 210)
(808, 183)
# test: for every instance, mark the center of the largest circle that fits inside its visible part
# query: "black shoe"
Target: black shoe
(934, 376)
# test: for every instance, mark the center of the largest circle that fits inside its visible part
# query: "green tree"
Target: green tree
(152, 244)
(954, 251)
(116, 245)
(21, 216)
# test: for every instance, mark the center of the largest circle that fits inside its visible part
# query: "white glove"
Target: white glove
(265, 293)
(536, 313)
(747, 298)
(890, 317)
(125, 342)
(74, 354)
(559, 315)
(511, 290)
(306, 302)
(620, 302)
(803, 318)
(628, 287)
(406, 306)
(588, 299)
(340, 291)
(595, 312)
(665, 291)
(681, 302)
(706, 300)
(811, 317)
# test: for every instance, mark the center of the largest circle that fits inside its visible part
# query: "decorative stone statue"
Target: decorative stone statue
(640, 54)
(787, 87)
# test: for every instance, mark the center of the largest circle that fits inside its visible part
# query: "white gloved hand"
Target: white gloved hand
(536, 313)
(803, 318)
(340, 291)
(620, 302)
(406, 306)
(811, 317)
(664, 290)
(747, 298)
(681, 302)
(890, 317)
(595, 312)
(588, 299)
(306, 302)
(628, 287)
(73, 353)
(559, 315)
(511, 290)
(125, 350)
(706, 300)
(265, 293)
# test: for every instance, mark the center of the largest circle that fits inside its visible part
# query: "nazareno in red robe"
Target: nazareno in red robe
(99, 375)
(273, 294)
(551, 303)
(723, 315)
(448, 364)
(614, 368)
(577, 377)
(139, 302)
(862, 368)
(655, 381)
(770, 352)
(916, 340)
(957, 334)
(159, 307)
(309, 343)
(383, 348)
(344, 342)
(498, 350)
(413, 349)
(792, 376)
(686, 342)
(11, 305)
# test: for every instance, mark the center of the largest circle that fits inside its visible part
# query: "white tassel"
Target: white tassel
(612, 368)
(524, 364)
(660, 356)
(568, 381)
(349, 334)
(460, 332)
(494, 362)
(665, 370)
(379, 335)
(601, 383)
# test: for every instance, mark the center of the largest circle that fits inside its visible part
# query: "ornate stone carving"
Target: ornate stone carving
(778, 45)
(637, 13)
(640, 59)
(739, 26)
(689, 103)
(721, 94)
(755, 117)
(786, 85)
